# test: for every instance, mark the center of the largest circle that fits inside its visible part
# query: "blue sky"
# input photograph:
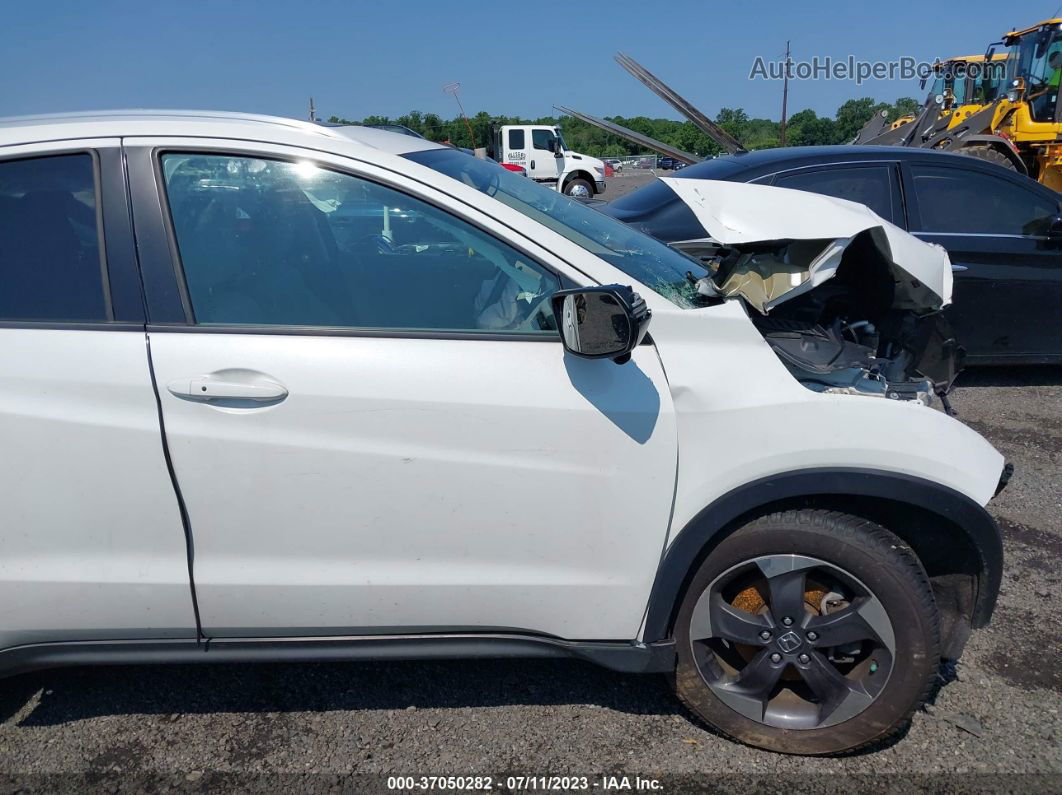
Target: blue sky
(387, 57)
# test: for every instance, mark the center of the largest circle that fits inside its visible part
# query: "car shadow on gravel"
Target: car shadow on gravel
(62, 696)
(67, 695)
(1032, 375)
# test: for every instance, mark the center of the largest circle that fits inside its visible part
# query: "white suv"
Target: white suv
(272, 390)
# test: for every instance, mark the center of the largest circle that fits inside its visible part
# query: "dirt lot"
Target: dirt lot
(999, 711)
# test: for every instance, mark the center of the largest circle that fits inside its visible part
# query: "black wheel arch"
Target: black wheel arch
(956, 539)
(585, 176)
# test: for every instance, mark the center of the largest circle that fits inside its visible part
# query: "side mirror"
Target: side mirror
(1054, 228)
(601, 322)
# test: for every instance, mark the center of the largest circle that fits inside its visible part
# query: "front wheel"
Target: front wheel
(579, 189)
(989, 154)
(807, 632)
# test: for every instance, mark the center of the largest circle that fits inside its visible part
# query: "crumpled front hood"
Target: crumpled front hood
(734, 213)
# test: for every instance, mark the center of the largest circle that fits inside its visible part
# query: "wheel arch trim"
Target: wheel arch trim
(721, 516)
(578, 173)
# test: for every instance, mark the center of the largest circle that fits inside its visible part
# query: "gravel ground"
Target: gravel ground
(998, 712)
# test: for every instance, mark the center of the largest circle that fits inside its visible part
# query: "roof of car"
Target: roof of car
(767, 160)
(198, 123)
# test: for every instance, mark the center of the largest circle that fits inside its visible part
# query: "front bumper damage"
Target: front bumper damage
(849, 302)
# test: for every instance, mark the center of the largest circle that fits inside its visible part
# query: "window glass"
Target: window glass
(540, 139)
(654, 264)
(1036, 58)
(516, 139)
(275, 243)
(50, 262)
(870, 185)
(955, 200)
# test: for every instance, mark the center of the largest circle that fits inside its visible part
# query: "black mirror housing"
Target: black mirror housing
(606, 322)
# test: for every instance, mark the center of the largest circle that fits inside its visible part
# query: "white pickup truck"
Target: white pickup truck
(540, 149)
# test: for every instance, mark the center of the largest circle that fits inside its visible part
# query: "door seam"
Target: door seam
(189, 545)
(181, 507)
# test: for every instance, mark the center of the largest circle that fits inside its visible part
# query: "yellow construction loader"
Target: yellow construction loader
(961, 86)
(1017, 124)
(1029, 115)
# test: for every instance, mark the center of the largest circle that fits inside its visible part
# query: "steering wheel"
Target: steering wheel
(534, 307)
(382, 244)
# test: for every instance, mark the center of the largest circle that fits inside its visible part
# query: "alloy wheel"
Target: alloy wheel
(792, 642)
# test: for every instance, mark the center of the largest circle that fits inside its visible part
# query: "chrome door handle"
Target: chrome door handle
(956, 268)
(242, 386)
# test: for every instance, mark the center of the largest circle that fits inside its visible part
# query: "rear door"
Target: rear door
(93, 545)
(371, 417)
(516, 145)
(1008, 272)
(874, 184)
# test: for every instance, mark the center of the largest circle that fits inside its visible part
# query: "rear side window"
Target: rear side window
(516, 139)
(869, 185)
(958, 201)
(51, 263)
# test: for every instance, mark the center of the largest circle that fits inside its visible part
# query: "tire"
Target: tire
(859, 574)
(579, 187)
(990, 154)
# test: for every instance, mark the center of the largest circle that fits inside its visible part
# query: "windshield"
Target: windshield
(654, 264)
(1037, 58)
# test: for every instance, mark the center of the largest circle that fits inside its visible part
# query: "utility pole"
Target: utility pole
(785, 92)
(313, 111)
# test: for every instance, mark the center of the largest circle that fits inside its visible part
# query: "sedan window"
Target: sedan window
(869, 185)
(51, 266)
(952, 200)
(267, 242)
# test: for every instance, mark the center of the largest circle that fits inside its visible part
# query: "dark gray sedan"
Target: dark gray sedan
(1003, 231)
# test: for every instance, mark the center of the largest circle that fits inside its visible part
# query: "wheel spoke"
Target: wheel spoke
(733, 624)
(750, 691)
(839, 698)
(841, 628)
(787, 596)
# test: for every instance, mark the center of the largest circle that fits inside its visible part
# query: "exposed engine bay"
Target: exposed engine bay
(855, 311)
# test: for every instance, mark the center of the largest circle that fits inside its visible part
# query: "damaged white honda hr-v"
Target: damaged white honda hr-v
(272, 390)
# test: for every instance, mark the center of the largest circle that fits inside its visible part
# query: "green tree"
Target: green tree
(853, 114)
(905, 106)
(806, 128)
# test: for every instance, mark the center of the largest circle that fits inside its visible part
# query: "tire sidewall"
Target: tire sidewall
(902, 595)
(989, 155)
(578, 181)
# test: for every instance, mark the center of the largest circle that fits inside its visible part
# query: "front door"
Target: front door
(545, 165)
(374, 425)
(1008, 272)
